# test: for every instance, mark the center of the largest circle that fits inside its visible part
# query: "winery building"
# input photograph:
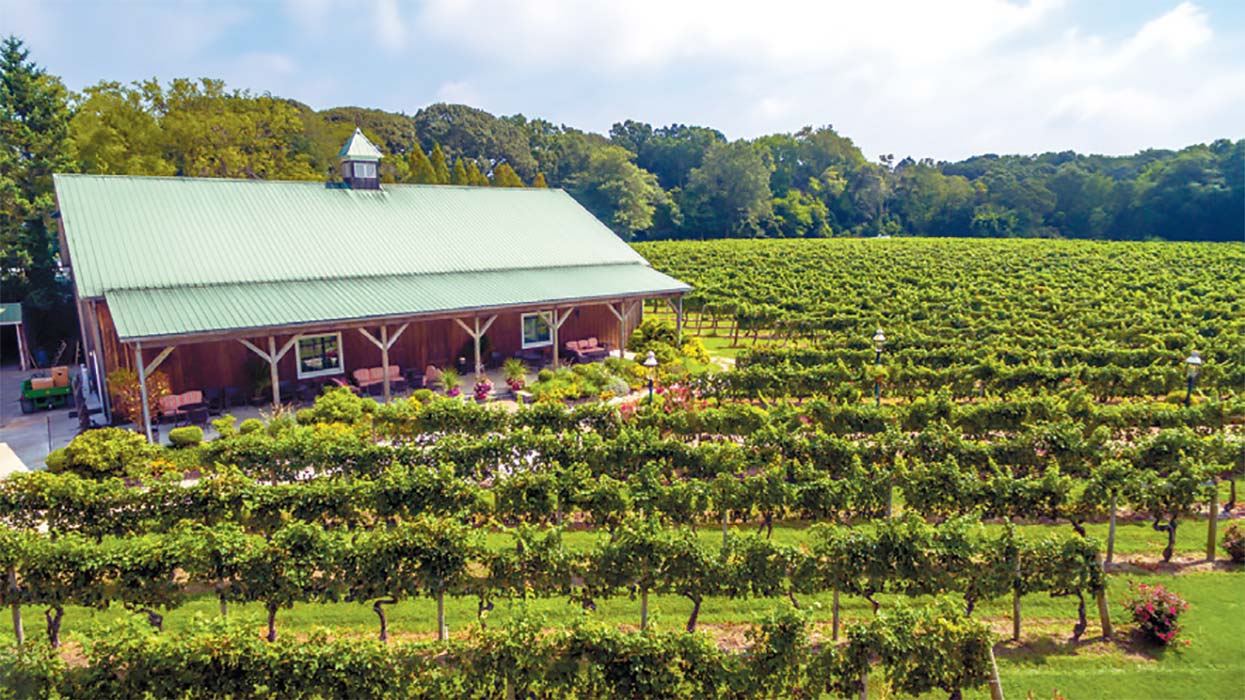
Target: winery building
(208, 279)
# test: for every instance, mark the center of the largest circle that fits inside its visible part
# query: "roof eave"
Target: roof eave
(345, 323)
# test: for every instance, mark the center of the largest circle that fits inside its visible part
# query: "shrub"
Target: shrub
(127, 394)
(105, 452)
(422, 395)
(56, 460)
(251, 425)
(188, 436)
(1156, 610)
(1233, 540)
(338, 405)
(226, 425)
(305, 416)
(450, 382)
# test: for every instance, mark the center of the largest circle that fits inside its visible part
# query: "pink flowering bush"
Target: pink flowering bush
(1156, 610)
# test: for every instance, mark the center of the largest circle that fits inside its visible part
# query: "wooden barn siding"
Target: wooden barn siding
(224, 362)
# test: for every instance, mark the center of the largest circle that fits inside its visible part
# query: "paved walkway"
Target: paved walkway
(30, 437)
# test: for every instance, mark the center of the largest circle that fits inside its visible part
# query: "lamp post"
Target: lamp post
(651, 363)
(1194, 363)
(879, 343)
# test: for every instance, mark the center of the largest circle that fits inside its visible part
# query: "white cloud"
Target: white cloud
(390, 29)
(312, 16)
(910, 76)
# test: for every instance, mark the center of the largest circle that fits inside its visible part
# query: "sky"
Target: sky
(944, 79)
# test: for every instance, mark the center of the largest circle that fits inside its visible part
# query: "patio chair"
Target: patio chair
(215, 400)
(169, 411)
(234, 396)
(431, 375)
(197, 416)
(307, 391)
(397, 383)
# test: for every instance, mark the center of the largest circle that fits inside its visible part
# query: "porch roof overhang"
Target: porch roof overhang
(192, 313)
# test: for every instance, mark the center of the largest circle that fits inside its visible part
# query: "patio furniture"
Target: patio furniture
(587, 350)
(397, 382)
(215, 400)
(372, 379)
(495, 360)
(431, 375)
(173, 408)
(186, 410)
(234, 396)
(197, 416)
(533, 357)
(307, 391)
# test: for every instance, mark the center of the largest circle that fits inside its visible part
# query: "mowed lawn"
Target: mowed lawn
(1212, 666)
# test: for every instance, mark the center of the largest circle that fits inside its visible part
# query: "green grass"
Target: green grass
(1210, 667)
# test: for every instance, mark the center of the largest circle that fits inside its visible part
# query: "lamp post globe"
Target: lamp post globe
(1194, 364)
(651, 363)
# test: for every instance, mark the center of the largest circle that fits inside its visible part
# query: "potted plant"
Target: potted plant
(450, 382)
(516, 373)
(482, 388)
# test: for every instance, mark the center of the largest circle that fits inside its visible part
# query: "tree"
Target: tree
(420, 170)
(616, 191)
(671, 152)
(729, 194)
(439, 168)
(505, 176)
(539, 181)
(459, 175)
(475, 176)
(116, 132)
(34, 131)
(467, 131)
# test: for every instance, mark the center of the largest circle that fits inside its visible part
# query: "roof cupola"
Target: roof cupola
(360, 162)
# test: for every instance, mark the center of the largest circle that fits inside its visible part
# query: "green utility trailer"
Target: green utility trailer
(43, 399)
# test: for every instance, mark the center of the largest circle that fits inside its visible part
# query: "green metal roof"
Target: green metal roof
(10, 313)
(191, 255)
(148, 313)
(359, 148)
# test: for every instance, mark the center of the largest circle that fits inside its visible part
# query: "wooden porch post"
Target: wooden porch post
(386, 341)
(272, 371)
(272, 357)
(384, 358)
(621, 314)
(555, 322)
(676, 306)
(142, 387)
(476, 333)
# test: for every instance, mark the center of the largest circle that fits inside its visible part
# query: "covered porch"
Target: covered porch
(384, 358)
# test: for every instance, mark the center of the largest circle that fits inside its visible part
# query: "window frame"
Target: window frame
(366, 165)
(540, 316)
(298, 356)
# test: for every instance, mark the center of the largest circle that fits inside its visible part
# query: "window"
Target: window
(365, 170)
(536, 331)
(319, 355)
